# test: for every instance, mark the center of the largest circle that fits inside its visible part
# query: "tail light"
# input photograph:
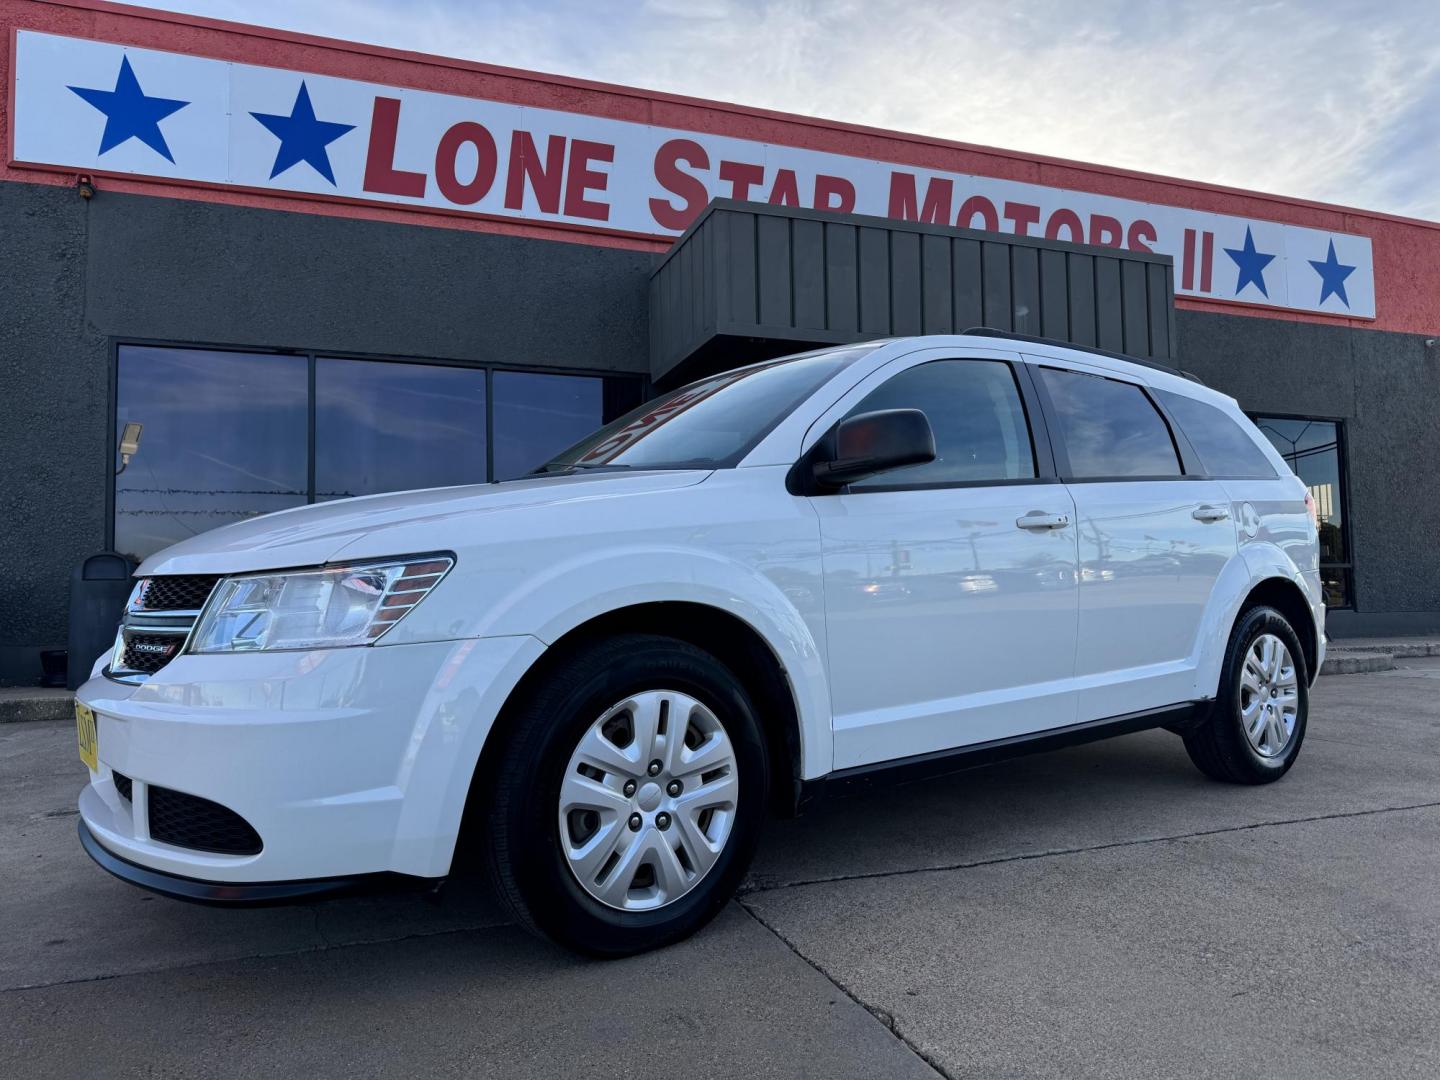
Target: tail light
(1310, 508)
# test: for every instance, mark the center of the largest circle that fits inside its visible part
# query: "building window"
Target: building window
(537, 416)
(1315, 450)
(224, 438)
(226, 435)
(391, 427)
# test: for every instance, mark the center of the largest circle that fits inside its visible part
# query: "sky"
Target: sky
(1334, 100)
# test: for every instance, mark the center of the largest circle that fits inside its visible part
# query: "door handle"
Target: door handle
(1210, 513)
(1038, 520)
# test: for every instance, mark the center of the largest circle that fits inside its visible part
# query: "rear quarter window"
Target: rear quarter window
(1226, 449)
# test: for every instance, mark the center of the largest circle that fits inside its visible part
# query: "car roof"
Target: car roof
(1153, 372)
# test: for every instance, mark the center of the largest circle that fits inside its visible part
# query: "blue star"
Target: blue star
(129, 114)
(1332, 276)
(302, 137)
(1252, 265)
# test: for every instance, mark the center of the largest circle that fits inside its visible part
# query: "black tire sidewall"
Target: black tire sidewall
(1255, 622)
(596, 680)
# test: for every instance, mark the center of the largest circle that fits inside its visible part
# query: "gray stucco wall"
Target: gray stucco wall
(77, 274)
(54, 381)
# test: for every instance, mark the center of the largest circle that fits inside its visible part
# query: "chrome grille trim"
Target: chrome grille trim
(140, 621)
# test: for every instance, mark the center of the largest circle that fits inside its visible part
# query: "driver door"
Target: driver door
(950, 587)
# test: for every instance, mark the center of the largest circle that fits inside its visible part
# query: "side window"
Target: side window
(1224, 447)
(975, 411)
(1110, 427)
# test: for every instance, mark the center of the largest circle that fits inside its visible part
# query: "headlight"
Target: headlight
(314, 609)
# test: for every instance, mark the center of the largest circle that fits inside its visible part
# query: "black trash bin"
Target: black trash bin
(99, 587)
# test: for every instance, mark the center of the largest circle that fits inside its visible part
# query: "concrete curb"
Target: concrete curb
(25, 704)
(1357, 663)
(1357, 656)
(1402, 650)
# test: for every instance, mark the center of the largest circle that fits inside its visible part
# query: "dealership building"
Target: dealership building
(247, 270)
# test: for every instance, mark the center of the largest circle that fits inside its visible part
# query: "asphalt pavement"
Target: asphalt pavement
(1098, 912)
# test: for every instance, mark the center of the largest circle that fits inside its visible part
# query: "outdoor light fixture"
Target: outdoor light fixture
(129, 445)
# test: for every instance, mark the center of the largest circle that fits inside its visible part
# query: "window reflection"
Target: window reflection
(1312, 450)
(975, 414)
(1110, 427)
(393, 427)
(537, 416)
(224, 438)
(225, 435)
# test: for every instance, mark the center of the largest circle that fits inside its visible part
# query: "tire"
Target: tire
(1219, 744)
(535, 847)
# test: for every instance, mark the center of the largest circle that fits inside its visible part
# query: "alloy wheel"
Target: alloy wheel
(1269, 696)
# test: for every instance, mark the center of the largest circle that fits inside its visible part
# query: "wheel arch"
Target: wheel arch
(1289, 599)
(736, 643)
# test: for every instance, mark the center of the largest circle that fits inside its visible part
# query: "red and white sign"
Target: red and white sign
(87, 105)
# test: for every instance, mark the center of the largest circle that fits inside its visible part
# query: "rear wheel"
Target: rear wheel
(1254, 728)
(629, 796)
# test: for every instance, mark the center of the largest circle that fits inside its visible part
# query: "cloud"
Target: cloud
(1337, 101)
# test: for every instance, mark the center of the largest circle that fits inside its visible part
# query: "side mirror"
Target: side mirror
(877, 442)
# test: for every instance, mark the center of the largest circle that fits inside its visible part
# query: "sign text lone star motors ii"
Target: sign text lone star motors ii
(93, 106)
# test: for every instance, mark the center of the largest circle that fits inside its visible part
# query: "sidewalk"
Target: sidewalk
(1354, 656)
(20, 703)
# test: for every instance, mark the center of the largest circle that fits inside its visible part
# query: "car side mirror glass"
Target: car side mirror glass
(876, 442)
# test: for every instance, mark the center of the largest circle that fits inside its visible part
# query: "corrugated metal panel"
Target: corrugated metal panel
(1080, 283)
(966, 294)
(808, 249)
(935, 276)
(748, 281)
(995, 283)
(874, 282)
(842, 278)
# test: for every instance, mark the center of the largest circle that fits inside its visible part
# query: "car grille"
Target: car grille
(146, 654)
(122, 785)
(181, 592)
(189, 821)
(157, 623)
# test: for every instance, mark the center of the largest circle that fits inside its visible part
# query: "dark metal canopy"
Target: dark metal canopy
(749, 281)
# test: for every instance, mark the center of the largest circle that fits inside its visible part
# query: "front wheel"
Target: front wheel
(1254, 728)
(629, 796)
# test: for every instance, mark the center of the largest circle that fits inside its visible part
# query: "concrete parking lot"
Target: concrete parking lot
(1103, 911)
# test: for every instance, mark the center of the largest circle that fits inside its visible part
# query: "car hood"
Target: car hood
(313, 535)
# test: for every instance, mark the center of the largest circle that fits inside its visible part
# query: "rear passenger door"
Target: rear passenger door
(1153, 540)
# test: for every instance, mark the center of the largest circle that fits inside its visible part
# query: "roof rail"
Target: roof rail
(1010, 335)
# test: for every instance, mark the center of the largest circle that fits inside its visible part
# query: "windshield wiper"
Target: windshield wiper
(554, 467)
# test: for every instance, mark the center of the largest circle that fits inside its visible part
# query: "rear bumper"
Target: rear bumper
(246, 894)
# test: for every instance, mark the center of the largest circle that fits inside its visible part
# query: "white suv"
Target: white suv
(775, 584)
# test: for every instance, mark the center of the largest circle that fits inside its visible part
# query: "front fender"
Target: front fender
(565, 596)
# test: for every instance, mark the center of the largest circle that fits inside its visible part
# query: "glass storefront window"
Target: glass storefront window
(392, 427)
(1314, 450)
(223, 438)
(537, 416)
(226, 435)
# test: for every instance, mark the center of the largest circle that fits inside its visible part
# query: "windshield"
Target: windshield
(710, 424)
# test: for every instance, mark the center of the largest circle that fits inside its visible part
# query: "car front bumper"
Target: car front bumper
(249, 894)
(346, 762)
